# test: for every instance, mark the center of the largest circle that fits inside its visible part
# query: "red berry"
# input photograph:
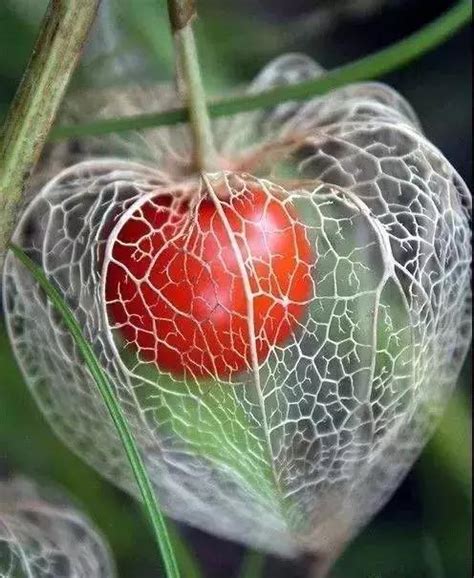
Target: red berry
(176, 290)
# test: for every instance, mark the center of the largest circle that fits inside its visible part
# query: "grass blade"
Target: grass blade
(367, 68)
(149, 499)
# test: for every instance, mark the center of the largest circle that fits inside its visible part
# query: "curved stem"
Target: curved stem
(62, 35)
(366, 68)
(182, 14)
(115, 410)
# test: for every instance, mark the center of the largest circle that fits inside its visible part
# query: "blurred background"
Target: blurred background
(425, 529)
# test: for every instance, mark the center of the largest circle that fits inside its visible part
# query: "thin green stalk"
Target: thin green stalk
(187, 560)
(182, 14)
(369, 67)
(62, 35)
(106, 390)
(252, 565)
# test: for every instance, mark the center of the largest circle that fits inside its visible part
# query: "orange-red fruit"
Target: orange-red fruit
(176, 288)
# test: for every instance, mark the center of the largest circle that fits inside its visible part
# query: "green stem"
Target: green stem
(63, 32)
(366, 68)
(188, 563)
(107, 392)
(182, 13)
(252, 565)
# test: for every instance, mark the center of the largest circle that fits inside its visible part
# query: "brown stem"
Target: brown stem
(57, 49)
(320, 568)
(319, 565)
(181, 13)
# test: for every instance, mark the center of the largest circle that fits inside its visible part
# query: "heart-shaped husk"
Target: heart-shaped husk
(298, 451)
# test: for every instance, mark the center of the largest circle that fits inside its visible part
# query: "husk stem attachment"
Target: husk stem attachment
(189, 82)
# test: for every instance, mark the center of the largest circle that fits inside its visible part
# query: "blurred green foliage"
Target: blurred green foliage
(425, 536)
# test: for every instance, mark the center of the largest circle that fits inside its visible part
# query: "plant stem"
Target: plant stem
(189, 81)
(57, 49)
(118, 417)
(253, 565)
(367, 68)
(320, 569)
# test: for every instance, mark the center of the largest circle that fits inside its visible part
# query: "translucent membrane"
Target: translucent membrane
(42, 535)
(279, 392)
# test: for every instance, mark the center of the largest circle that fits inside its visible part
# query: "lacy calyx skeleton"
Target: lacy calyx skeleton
(302, 445)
